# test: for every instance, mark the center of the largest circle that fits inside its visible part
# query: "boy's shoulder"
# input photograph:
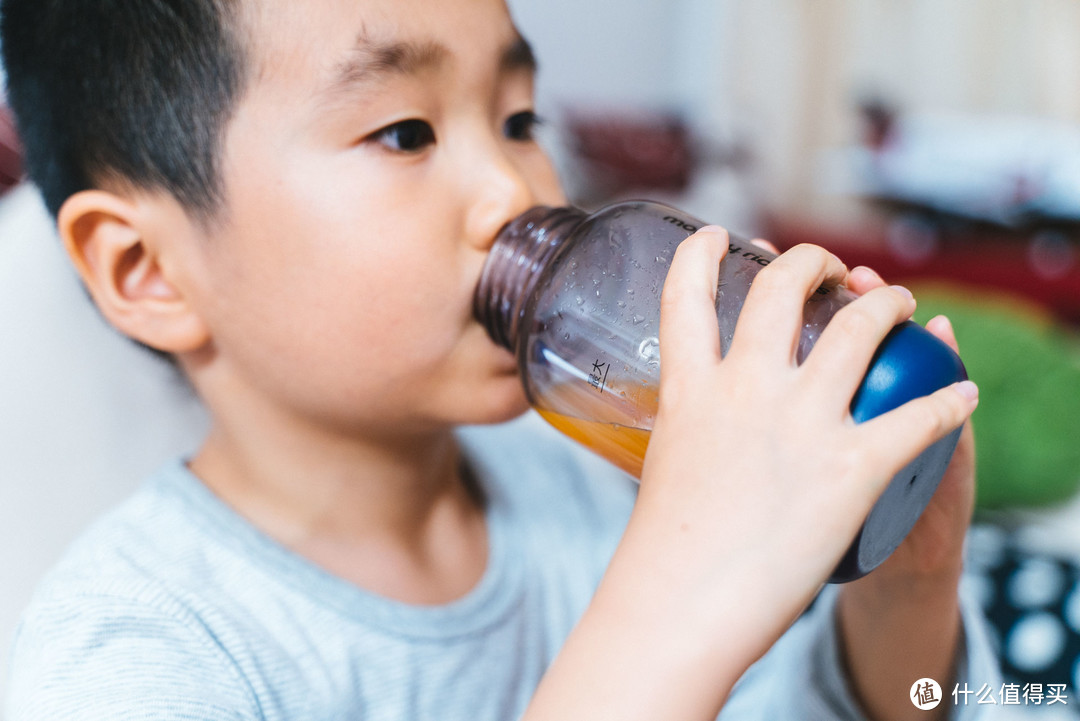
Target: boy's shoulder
(122, 610)
(173, 535)
(174, 585)
(150, 542)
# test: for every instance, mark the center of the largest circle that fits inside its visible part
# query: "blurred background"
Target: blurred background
(937, 141)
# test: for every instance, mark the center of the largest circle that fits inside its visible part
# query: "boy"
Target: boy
(294, 201)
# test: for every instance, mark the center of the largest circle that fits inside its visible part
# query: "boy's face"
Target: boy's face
(380, 147)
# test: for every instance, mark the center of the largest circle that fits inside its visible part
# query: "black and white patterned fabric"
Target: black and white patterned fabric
(1032, 601)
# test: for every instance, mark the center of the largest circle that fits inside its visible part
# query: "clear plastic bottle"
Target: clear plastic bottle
(577, 298)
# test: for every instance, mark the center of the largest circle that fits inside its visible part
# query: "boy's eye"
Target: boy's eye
(521, 126)
(408, 136)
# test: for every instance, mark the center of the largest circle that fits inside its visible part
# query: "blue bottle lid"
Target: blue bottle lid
(910, 363)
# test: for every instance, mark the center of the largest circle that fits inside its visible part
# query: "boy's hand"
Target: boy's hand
(755, 482)
(755, 460)
(902, 622)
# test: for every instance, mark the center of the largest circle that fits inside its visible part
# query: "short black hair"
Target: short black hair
(136, 92)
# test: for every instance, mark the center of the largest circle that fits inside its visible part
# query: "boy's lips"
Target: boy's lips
(506, 361)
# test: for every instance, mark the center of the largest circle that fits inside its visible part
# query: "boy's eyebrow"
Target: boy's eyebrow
(518, 55)
(371, 60)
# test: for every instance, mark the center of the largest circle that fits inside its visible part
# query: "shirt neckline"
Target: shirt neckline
(485, 605)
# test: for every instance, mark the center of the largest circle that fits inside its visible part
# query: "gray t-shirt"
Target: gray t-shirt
(174, 607)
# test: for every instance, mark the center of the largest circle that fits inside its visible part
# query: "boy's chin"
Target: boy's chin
(504, 400)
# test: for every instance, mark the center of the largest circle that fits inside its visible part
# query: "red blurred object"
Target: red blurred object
(632, 153)
(11, 166)
(987, 259)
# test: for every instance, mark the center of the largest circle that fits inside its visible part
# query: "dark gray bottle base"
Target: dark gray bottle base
(896, 512)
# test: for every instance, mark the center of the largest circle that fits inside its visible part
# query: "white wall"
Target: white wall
(784, 75)
(602, 52)
(632, 54)
(628, 56)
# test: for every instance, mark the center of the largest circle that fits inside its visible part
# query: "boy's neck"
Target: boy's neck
(398, 517)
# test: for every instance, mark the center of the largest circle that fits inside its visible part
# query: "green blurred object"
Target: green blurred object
(1027, 367)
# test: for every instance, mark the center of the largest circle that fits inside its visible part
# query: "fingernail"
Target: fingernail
(942, 320)
(903, 291)
(863, 269)
(968, 390)
(710, 229)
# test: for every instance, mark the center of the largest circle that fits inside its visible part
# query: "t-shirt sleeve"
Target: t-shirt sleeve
(99, 657)
(802, 675)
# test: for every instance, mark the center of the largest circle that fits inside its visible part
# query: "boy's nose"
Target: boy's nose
(502, 192)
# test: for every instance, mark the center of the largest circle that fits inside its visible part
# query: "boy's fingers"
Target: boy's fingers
(942, 327)
(896, 438)
(862, 280)
(689, 334)
(766, 245)
(838, 361)
(773, 313)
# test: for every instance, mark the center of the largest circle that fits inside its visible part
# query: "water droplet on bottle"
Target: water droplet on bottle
(580, 300)
(621, 303)
(649, 351)
(638, 319)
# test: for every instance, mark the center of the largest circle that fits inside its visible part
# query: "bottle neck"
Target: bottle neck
(521, 251)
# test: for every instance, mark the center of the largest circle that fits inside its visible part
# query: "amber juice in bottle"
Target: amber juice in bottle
(617, 440)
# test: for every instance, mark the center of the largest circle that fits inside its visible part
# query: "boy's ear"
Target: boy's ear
(125, 273)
